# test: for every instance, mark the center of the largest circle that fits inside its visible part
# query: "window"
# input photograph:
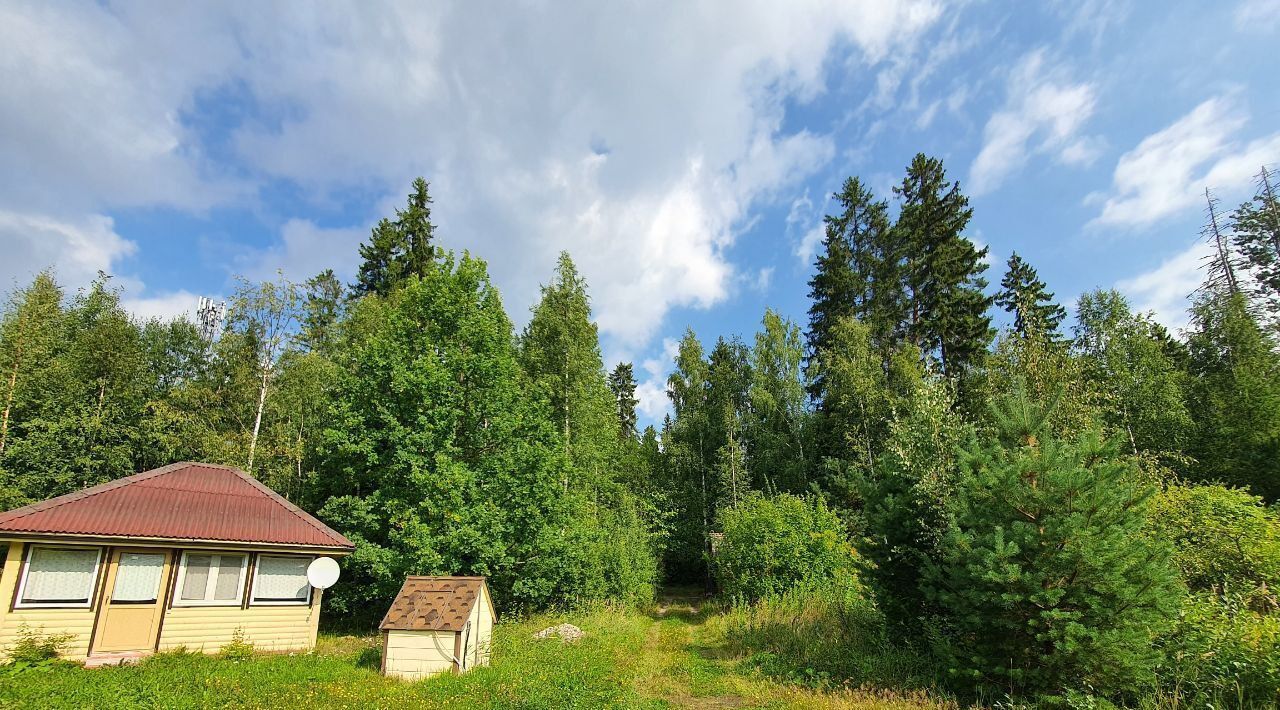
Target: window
(59, 576)
(137, 577)
(281, 580)
(211, 579)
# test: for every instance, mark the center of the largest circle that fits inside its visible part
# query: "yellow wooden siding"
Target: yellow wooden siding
(413, 655)
(76, 622)
(483, 623)
(268, 628)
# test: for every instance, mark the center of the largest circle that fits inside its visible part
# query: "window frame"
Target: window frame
(18, 602)
(253, 590)
(212, 581)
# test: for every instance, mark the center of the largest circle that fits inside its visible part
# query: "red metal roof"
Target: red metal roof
(181, 501)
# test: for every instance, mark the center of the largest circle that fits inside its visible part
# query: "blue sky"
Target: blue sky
(683, 153)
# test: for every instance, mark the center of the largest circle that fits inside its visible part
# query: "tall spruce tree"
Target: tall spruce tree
(948, 314)
(856, 275)
(322, 306)
(399, 248)
(622, 383)
(1023, 294)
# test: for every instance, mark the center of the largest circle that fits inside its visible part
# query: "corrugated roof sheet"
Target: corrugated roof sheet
(433, 604)
(182, 501)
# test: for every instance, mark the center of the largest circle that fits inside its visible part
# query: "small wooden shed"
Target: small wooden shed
(437, 624)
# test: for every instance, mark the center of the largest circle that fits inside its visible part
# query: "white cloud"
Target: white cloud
(810, 243)
(166, 306)
(1043, 113)
(652, 390)
(1258, 15)
(539, 130)
(1168, 171)
(93, 103)
(1164, 289)
(77, 250)
(303, 251)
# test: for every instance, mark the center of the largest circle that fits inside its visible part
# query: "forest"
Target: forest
(1076, 509)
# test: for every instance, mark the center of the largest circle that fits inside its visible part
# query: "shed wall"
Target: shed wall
(413, 655)
(482, 620)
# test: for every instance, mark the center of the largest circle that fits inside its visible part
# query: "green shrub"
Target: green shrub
(1048, 581)
(36, 647)
(771, 544)
(239, 649)
(1223, 538)
(1222, 654)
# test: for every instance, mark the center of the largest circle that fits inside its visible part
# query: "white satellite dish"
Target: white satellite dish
(323, 572)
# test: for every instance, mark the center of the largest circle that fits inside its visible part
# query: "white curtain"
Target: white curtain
(282, 578)
(138, 577)
(60, 575)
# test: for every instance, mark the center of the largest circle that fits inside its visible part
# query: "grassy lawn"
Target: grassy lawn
(670, 657)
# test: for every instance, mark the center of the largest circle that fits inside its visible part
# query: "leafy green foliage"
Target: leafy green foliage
(1136, 382)
(908, 497)
(776, 420)
(434, 459)
(1223, 538)
(34, 646)
(1047, 580)
(772, 544)
(1235, 394)
(1221, 653)
(238, 648)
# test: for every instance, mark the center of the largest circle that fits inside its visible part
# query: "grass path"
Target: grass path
(669, 657)
(686, 666)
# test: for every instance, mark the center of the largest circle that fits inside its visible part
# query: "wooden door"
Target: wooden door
(134, 601)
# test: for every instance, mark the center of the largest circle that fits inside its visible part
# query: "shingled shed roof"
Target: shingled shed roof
(182, 501)
(433, 604)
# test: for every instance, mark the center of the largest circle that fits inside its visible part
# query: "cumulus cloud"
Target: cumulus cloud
(77, 250)
(165, 306)
(652, 389)
(1164, 289)
(304, 250)
(1043, 113)
(640, 140)
(1168, 171)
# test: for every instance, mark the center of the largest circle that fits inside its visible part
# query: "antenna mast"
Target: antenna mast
(209, 317)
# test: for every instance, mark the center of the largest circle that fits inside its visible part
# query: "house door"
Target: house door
(133, 605)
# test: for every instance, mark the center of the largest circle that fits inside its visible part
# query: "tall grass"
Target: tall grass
(823, 634)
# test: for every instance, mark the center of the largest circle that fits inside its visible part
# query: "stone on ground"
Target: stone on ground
(566, 632)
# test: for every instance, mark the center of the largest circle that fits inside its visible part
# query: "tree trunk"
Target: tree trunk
(8, 398)
(257, 419)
